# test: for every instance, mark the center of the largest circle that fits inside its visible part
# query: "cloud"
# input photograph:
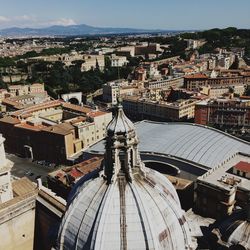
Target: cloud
(19, 21)
(4, 19)
(62, 21)
(32, 21)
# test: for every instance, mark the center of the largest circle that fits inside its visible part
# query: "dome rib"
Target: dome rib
(154, 219)
(66, 230)
(145, 219)
(152, 199)
(84, 231)
(172, 206)
(107, 209)
(120, 123)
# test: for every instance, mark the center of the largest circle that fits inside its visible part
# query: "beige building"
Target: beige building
(18, 90)
(139, 108)
(89, 61)
(122, 88)
(92, 130)
(53, 128)
(165, 83)
(118, 61)
(111, 92)
(218, 91)
(3, 94)
(126, 51)
(92, 61)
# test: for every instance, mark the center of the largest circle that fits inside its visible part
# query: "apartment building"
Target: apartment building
(118, 61)
(52, 129)
(231, 113)
(18, 90)
(92, 62)
(219, 91)
(167, 83)
(139, 108)
(195, 81)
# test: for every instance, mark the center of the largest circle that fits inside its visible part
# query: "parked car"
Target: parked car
(28, 172)
(52, 165)
(41, 162)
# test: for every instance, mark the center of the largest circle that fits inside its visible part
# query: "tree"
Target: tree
(6, 62)
(247, 92)
(3, 85)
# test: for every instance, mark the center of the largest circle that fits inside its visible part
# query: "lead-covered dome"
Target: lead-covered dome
(121, 123)
(233, 232)
(128, 207)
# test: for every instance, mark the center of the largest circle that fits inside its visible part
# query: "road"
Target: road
(24, 167)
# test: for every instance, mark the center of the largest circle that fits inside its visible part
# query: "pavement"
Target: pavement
(25, 167)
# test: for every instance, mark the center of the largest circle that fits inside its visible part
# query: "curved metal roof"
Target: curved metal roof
(199, 144)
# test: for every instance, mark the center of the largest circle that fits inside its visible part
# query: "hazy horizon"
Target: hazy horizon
(140, 14)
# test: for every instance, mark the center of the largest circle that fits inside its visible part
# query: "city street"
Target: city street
(24, 167)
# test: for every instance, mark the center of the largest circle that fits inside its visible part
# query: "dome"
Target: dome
(241, 235)
(234, 231)
(120, 124)
(128, 206)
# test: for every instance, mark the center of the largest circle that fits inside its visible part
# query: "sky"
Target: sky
(148, 14)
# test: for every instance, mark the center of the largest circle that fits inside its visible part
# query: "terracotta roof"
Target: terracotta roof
(28, 111)
(96, 113)
(243, 166)
(78, 170)
(12, 103)
(31, 127)
(82, 109)
(244, 97)
(78, 119)
(194, 76)
(62, 129)
(9, 119)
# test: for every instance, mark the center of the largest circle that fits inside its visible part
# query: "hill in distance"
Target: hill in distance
(71, 30)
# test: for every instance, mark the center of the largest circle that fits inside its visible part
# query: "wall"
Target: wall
(17, 226)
